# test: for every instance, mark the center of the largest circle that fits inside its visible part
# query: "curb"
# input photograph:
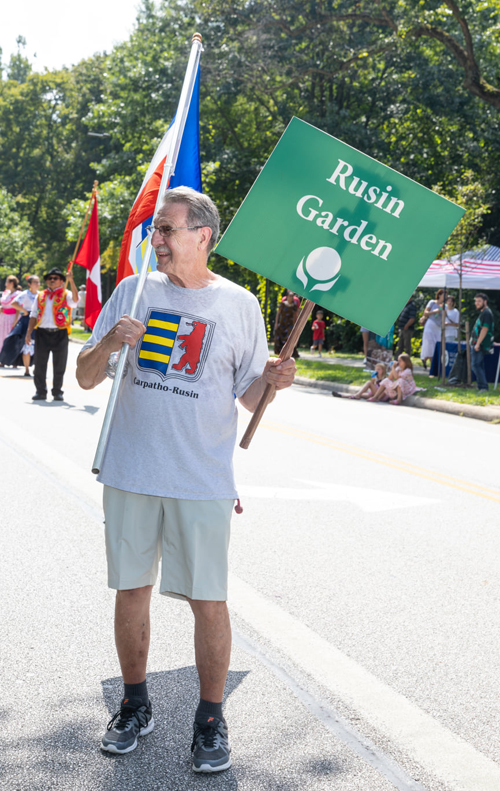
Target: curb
(488, 414)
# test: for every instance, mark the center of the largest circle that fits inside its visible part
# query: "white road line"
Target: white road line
(369, 500)
(80, 481)
(332, 720)
(437, 749)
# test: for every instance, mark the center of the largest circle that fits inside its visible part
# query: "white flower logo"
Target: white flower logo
(322, 264)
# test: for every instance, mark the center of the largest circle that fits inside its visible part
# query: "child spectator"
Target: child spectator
(318, 332)
(399, 384)
(373, 384)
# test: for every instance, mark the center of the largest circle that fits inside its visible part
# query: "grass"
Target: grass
(79, 333)
(349, 375)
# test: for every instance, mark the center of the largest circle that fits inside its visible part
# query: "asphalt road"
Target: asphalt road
(364, 597)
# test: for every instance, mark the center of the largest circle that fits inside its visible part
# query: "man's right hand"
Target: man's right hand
(127, 330)
(27, 339)
(92, 362)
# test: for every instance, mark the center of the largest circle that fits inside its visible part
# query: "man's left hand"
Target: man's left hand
(477, 347)
(280, 374)
(277, 373)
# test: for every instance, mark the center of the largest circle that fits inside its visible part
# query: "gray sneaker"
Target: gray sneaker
(210, 749)
(132, 720)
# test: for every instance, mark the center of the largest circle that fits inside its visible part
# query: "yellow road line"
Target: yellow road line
(421, 472)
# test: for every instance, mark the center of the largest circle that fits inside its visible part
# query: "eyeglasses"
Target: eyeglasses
(166, 231)
(54, 277)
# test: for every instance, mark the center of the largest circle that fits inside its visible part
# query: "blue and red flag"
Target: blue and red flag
(187, 174)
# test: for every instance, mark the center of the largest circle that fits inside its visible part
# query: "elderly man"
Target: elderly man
(167, 471)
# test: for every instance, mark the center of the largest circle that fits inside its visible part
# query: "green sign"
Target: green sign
(338, 227)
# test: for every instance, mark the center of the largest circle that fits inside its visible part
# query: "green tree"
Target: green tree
(395, 78)
(45, 153)
(387, 81)
(472, 196)
(19, 67)
(17, 249)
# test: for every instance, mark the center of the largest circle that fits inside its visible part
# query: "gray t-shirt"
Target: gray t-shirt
(174, 428)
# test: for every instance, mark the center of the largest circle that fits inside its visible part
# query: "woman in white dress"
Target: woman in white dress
(432, 326)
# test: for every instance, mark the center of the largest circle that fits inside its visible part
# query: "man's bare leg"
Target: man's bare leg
(365, 336)
(132, 632)
(212, 643)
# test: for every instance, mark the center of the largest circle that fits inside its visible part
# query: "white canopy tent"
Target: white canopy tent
(480, 270)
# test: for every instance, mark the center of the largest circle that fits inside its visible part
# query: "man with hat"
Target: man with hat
(51, 316)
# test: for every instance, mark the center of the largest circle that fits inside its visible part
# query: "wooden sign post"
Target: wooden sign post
(285, 354)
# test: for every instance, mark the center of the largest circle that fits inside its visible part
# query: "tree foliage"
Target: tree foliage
(17, 250)
(413, 83)
(45, 152)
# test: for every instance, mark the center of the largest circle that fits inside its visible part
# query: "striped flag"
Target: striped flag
(187, 174)
(89, 257)
(480, 270)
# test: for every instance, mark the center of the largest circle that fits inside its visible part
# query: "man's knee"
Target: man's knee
(208, 611)
(135, 597)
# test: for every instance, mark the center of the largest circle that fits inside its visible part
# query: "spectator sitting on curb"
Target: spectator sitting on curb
(399, 384)
(372, 385)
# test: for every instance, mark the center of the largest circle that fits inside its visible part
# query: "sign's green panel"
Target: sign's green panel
(338, 227)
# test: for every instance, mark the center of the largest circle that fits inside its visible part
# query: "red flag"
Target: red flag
(90, 258)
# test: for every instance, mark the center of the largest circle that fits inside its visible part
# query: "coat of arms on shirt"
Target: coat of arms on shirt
(175, 345)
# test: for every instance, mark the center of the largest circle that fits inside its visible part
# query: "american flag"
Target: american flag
(480, 270)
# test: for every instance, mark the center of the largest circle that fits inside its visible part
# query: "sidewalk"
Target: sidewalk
(489, 414)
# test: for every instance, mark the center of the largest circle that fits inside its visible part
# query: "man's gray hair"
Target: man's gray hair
(201, 210)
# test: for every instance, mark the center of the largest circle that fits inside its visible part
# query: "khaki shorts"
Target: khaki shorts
(191, 537)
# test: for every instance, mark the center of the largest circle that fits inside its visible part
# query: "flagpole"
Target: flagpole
(285, 354)
(168, 171)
